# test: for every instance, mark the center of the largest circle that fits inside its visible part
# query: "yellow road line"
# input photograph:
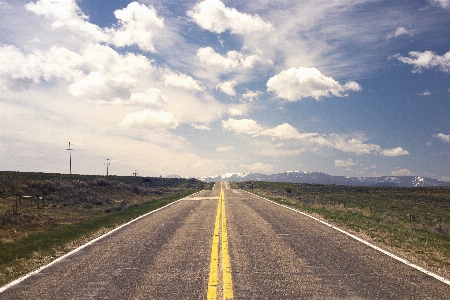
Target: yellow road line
(226, 268)
(213, 283)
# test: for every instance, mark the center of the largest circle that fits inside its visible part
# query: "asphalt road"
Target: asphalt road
(275, 253)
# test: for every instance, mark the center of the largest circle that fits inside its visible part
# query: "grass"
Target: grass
(411, 222)
(15, 256)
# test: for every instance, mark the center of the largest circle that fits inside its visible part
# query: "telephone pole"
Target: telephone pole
(70, 158)
(107, 164)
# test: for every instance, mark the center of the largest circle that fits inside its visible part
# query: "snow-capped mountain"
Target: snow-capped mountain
(322, 178)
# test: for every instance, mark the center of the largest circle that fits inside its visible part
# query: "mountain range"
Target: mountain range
(322, 178)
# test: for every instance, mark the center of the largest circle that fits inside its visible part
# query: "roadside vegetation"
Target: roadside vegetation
(411, 222)
(43, 215)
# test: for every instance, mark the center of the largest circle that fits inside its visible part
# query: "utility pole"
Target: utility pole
(135, 173)
(70, 158)
(107, 164)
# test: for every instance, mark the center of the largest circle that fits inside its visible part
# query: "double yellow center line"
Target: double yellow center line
(220, 227)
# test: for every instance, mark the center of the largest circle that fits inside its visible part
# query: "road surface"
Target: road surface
(273, 253)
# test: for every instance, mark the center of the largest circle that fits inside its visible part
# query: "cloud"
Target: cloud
(394, 152)
(149, 119)
(295, 84)
(5, 5)
(425, 93)
(224, 148)
(137, 25)
(110, 75)
(258, 167)
(402, 172)
(232, 61)
(214, 16)
(152, 96)
(97, 73)
(201, 126)
(245, 126)
(38, 65)
(311, 140)
(66, 13)
(227, 87)
(426, 60)
(354, 145)
(183, 81)
(287, 131)
(251, 96)
(398, 32)
(343, 163)
(443, 137)
(440, 3)
(234, 111)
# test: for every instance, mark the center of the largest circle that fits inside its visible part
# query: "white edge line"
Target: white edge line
(20, 279)
(440, 278)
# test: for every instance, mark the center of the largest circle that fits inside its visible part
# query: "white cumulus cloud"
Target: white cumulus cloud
(36, 65)
(214, 16)
(152, 96)
(251, 96)
(246, 126)
(227, 87)
(343, 163)
(443, 137)
(183, 81)
(97, 73)
(110, 75)
(426, 60)
(232, 61)
(137, 25)
(287, 131)
(66, 13)
(149, 119)
(234, 111)
(394, 152)
(295, 84)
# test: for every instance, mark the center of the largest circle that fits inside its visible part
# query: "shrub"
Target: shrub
(288, 188)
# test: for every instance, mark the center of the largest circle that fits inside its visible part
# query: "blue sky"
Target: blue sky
(197, 88)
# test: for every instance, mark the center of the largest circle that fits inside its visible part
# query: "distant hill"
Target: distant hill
(322, 178)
